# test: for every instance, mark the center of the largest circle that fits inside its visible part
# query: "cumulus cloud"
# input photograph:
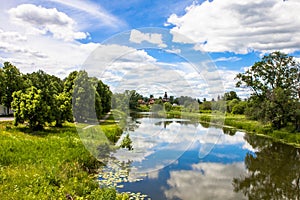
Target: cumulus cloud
(205, 181)
(240, 26)
(46, 20)
(137, 36)
(229, 82)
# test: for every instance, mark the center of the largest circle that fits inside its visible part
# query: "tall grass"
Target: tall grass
(49, 164)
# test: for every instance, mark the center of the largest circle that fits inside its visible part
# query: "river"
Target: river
(184, 159)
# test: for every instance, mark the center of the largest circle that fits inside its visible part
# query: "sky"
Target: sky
(183, 47)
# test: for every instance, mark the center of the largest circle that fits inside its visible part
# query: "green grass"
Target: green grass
(48, 164)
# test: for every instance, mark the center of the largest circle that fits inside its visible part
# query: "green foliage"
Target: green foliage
(133, 98)
(63, 108)
(69, 83)
(84, 98)
(49, 164)
(216, 106)
(167, 106)
(272, 173)
(29, 106)
(275, 83)
(206, 105)
(228, 96)
(126, 143)
(239, 108)
(11, 81)
(91, 98)
(105, 95)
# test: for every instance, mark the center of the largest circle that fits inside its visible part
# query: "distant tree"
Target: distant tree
(228, 96)
(167, 106)
(239, 108)
(206, 105)
(134, 97)
(159, 101)
(171, 99)
(231, 104)
(12, 81)
(275, 82)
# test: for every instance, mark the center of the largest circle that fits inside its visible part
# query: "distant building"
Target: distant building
(151, 101)
(166, 98)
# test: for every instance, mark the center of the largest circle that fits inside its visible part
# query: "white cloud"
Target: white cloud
(137, 36)
(11, 36)
(43, 20)
(94, 10)
(229, 59)
(228, 77)
(240, 26)
(51, 55)
(205, 181)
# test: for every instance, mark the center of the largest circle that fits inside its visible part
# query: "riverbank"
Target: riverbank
(49, 164)
(240, 122)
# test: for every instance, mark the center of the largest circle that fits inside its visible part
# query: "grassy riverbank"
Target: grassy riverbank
(285, 135)
(48, 164)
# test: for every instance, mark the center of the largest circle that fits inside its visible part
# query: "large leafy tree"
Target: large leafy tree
(30, 106)
(83, 100)
(11, 81)
(51, 88)
(275, 84)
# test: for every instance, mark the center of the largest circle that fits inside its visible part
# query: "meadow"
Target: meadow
(49, 164)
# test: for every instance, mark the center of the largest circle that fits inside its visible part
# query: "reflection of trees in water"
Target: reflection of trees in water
(273, 173)
(229, 131)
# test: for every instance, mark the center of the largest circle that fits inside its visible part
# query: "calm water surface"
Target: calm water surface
(182, 159)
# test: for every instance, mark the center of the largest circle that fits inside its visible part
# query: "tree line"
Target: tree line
(275, 85)
(41, 99)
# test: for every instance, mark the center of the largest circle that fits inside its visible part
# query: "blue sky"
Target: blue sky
(59, 36)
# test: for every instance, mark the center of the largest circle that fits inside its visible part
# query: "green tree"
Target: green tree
(167, 106)
(230, 96)
(126, 143)
(63, 108)
(12, 81)
(134, 97)
(275, 84)
(105, 94)
(30, 106)
(239, 108)
(50, 86)
(206, 105)
(84, 96)
(69, 83)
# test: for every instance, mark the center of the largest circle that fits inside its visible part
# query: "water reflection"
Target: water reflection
(273, 172)
(240, 166)
(204, 181)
